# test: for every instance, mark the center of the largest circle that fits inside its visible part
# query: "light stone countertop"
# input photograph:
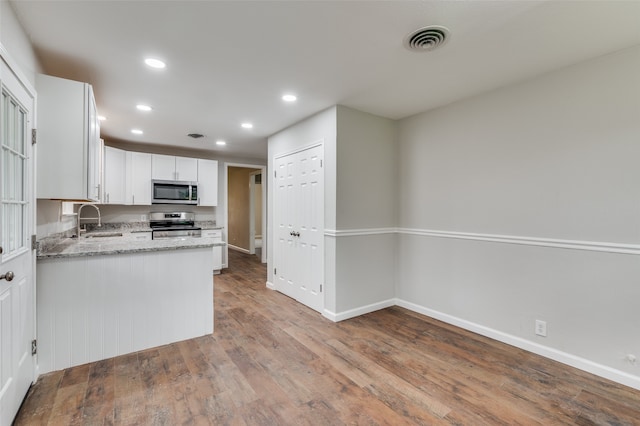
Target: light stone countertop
(74, 247)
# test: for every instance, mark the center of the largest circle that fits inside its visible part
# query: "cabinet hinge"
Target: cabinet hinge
(34, 136)
(275, 271)
(320, 288)
(275, 174)
(320, 163)
(34, 243)
(34, 347)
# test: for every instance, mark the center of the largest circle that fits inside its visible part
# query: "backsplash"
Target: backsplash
(51, 221)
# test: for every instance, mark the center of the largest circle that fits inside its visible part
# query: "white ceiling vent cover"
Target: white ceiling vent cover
(426, 39)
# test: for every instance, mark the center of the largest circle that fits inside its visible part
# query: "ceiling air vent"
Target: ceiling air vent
(426, 39)
(195, 135)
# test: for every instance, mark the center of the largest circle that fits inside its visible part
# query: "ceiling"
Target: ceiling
(231, 61)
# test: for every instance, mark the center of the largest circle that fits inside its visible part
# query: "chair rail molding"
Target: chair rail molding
(601, 246)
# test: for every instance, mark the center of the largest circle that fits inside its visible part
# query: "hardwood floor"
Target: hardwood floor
(272, 361)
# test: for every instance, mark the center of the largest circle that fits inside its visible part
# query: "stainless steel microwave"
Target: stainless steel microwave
(174, 192)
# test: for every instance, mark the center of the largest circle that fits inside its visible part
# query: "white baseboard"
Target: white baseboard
(352, 313)
(270, 285)
(536, 348)
(236, 248)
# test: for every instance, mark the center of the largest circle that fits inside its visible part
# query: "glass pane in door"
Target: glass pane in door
(14, 197)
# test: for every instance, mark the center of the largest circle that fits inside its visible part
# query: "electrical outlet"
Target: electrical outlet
(631, 358)
(143, 217)
(541, 328)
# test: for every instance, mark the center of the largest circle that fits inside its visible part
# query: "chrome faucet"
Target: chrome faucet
(80, 230)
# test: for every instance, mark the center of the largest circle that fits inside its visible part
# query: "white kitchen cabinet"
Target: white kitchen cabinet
(68, 140)
(168, 167)
(207, 182)
(187, 169)
(216, 234)
(163, 167)
(114, 175)
(138, 178)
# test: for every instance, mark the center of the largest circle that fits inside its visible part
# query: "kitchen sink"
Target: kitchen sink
(104, 234)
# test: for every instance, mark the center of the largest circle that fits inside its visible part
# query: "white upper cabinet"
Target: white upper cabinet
(68, 140)
(163, 167)
(168, 167)
(187, 169)
(207, 182)
(138, 178)
(114, 175)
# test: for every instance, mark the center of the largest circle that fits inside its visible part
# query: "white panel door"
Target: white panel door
(299, 230)
(309, 209)
(284, 256)
(16, 257)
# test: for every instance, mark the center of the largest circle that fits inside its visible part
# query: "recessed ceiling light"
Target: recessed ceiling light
(155, 63)
(102, 118)
(247, 126)
(136, 131)
(289, 98)
(221, 143)
(143, 107)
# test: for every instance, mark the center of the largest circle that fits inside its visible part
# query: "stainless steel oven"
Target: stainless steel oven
(174, 192)
(173, 225)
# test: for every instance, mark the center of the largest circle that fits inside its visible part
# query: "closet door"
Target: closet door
(299, 230)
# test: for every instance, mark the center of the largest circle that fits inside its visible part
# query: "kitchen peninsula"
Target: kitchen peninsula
(99, 297)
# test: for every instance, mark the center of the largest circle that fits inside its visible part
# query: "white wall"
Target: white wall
(360, 205)
(17, 44)
(366, 213)
(554, 158)
(320, 127)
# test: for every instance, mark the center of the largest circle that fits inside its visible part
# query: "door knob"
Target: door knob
(8, 276)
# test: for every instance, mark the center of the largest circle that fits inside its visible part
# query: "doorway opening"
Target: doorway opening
(246, 209)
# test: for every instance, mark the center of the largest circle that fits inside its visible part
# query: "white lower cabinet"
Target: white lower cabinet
(216, 234)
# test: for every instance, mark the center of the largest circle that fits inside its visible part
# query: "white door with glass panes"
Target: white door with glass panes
(299, 226)
(17, 295)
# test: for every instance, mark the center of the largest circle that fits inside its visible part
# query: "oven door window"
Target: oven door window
(171, 192)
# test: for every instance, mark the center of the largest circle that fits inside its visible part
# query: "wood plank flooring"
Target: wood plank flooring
(272, 361)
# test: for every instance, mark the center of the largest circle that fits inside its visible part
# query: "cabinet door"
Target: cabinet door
(217, 258)
(138, 178)
(94, 150)
(66, 122)
(208, 182)
(163, 167)
(114, 175)
(186, 169)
